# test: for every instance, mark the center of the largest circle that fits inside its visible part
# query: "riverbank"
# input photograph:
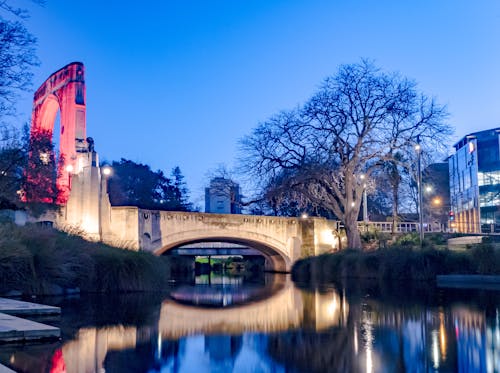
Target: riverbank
(398, 263)
(42, 260)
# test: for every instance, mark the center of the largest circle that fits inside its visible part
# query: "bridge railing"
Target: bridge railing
(401, 227)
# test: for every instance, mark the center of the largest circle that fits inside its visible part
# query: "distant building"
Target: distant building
(223, 196)
(475, 183)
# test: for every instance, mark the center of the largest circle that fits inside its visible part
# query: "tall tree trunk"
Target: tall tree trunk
(353, 236)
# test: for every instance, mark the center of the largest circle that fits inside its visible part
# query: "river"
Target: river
(269, 324)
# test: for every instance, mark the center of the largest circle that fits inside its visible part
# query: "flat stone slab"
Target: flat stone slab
(17, 307)
(469, 281)
(4, 369)
(14, 328)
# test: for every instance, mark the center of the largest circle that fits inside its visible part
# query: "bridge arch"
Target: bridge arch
(64, 92)
(275, 252)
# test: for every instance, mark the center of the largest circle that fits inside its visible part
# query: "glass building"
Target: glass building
(475, 183)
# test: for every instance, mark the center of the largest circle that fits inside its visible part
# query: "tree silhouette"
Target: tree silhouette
(359, 118)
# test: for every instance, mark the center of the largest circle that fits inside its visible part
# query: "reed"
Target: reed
(399, 262)
(42, 260)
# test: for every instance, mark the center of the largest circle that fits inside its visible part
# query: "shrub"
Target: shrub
(33, 259)
(396, 264)
(485, 258)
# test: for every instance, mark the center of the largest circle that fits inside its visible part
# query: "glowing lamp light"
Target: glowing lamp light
(428, 189)
(362, 176)
(437, 201)
(418, 147)
(106, 171)
(69, 168)
(304, 216)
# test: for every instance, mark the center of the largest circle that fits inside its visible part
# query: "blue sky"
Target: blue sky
(180, 82)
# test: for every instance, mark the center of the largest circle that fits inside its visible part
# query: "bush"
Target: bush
(33, 259)
(485, 258)
(397, 263)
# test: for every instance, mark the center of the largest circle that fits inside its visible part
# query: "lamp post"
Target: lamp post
(106, 172)
(418, 149)
(69, 170)
(365, 198)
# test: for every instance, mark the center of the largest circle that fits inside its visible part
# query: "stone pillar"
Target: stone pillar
(83, 209)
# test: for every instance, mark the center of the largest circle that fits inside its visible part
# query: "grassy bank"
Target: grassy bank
(398, 263)
(40, 260)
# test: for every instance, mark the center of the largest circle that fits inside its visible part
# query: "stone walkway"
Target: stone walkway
(4, 369)
(17, 307)
(14, 328)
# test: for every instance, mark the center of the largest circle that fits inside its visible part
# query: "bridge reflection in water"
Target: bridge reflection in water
(282, 309)
(278, 327)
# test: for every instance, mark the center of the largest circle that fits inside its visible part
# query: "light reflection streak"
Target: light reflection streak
(333, 307)
(435, 348)
(159, 343)
(367, 327)
(355, 339)
(442, 335)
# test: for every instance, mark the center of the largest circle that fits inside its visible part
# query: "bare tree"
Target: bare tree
(358, 119)
(17, 56)
(13, 151)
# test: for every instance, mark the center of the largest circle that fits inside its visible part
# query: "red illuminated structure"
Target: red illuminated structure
(63, 91)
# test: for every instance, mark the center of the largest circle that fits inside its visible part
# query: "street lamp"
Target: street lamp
(365, 204)
(69, 170)
(362, 177)
(418, 149)
(437, 201)
(106, 170)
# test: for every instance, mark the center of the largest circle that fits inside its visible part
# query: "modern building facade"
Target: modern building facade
(223, 196)
(475, 183)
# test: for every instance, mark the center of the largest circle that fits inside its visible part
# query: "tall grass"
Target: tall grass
(38, 260)
(404, 262)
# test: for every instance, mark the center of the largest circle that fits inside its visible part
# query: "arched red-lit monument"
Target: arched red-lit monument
(64, 92)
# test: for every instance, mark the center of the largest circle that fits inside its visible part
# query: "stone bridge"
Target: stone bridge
(280, 240)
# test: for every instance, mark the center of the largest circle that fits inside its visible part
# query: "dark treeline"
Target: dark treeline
(135, 184)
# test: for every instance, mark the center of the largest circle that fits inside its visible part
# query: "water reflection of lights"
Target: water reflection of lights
(345, 307)
(477, 342)
(368, 339)
(355, 337)
(442, 335)
(333, 306)
(435, 349)
(159, 343)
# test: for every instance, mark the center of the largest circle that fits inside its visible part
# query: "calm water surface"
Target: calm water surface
(230, 324)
